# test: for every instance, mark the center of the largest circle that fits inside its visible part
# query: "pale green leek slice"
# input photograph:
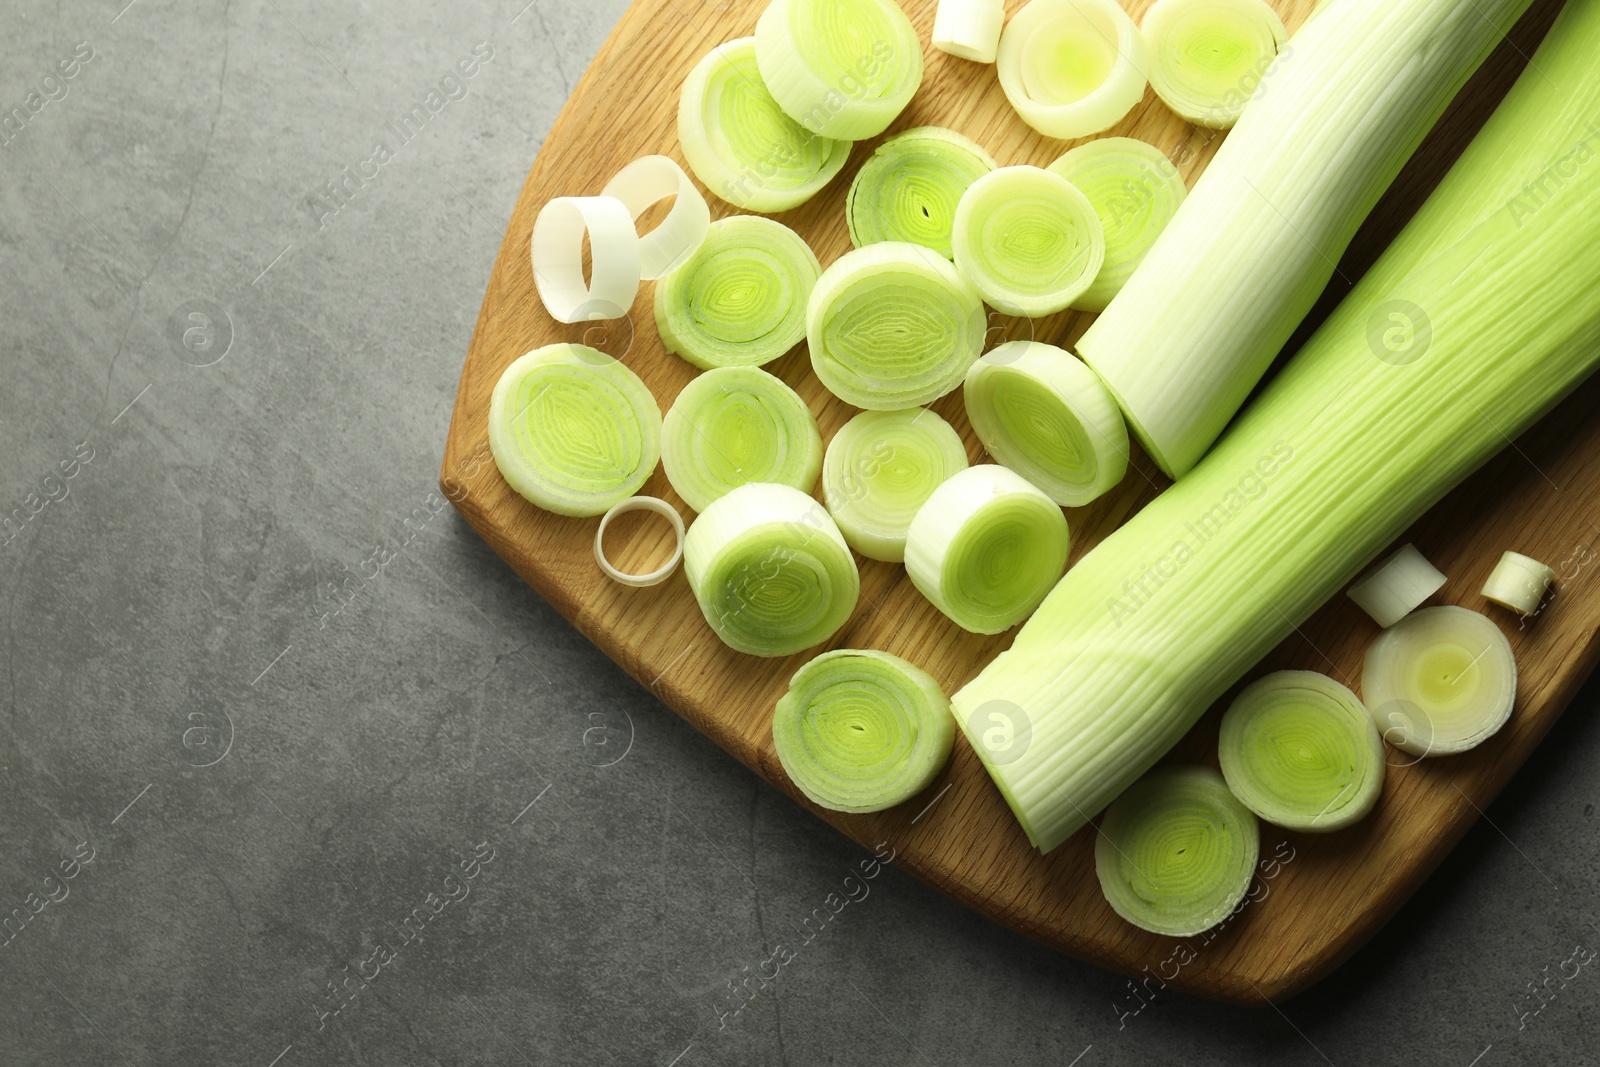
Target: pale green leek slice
(573, 430)
(880, 468)
(841, 68)
(969, 29)
(740, 300)
(1135, 191)
(1440, 681)
(770, 570)
(735, 425)
(1040, 411)
(1208, 56)
(909, 189)
(986, 548)
(1518, 582)
(1302, 752)
(1176, 851)
(739, 142)
(1028, 240)
(861, 730)
(1072, 68)
(893, 325)
(1395, 587)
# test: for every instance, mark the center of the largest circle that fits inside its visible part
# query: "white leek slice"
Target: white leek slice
(1301, 751)
(969, 29)
(1135, 191)
(893, 325)
(1041, 412)
(861, 730)
(644, 182)
(573, 430)
(1394, 588)
(735, 425)
(741, 145)
(1176, 851)
(1518, 582)
(986, 548)
(1072, 68)
(1028, 240)
(740, 300)
(909, 189)
(1208, 56)
(1440, 681)
(656, 506)
(841, 68)
(880, 468)
(770, 570)
(556, 249)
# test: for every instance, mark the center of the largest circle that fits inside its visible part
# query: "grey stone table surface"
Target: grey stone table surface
(296, 771)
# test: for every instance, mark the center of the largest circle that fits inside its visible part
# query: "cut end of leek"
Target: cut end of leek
(1028, 240)
(969, 29)
(1176, 851)
(1072, 68)
(1208, 56)
(861, 730)
(880, 468)
(1397, 586)
(986, 548)
(909, 189)
(1518, 582)
(572, 430)
(1302, 752)
(1440, 681)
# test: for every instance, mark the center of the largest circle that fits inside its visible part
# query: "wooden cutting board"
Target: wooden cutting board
(1330, 893)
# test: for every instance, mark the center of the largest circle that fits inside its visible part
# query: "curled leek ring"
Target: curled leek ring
(736, 425)
(1208, 56)
(556, 249)
(740, 300)
(741, 145)
(1176, 851)
(1028, 239)
(1135, 191)
(1301, 751)
(640, 503)
(969, 29)
(642, 183)
(841, 68)
(1396, 586)
(1040, 411)
(909, 189)
(770, 570)
(1072, 68)
(986, 548)
(861, 730)
(573, 430)
(1518, 582)
(893, 325)
(880, 468)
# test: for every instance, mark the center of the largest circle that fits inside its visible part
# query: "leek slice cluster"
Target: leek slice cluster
(735, 425)
(1072, 68)
(1028, 240)
(1440, 681)
(908, 190)
(880, 468)
(1208, 56)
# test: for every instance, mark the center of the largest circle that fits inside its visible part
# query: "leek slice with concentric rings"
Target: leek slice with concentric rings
(908, 190)
(1072, 68)
(880, 468)
(770, 570)
(573, 430)
(893, 325)
(861, 730)
(1177, 851)
(1440, 681)
(1207, 56)
(740, 300)
(1302, 752)
(736, 425)
(1028, 240)
(739, 142)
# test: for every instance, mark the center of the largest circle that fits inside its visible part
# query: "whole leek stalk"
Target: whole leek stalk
(1483, 313)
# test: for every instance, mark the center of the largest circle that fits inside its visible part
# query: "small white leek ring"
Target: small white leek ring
(1072, 68)
(642, 183)
(557, 252)
(1396, 586)
(969, 29)
(660, 574)
(1518, 582)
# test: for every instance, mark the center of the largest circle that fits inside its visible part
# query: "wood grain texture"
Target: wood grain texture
(1338, 889)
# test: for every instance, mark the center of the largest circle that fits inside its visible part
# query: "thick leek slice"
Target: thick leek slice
(647, 180)
(735, 425)
(573, 430)
(1041, 412)
(1301, 751)
(986, 547)
(1177, 851)
(909, 189)
(740, 300)
(880, 468)
(556, 251)
(1518, 582)
(654, 505)
(1135, 191)
(841, 68)
(770, 571)
(1208, 56)
(1440, 681)
(741, 145)
(893, 325)
(969, 29)
(1028, 239)
(1397, 586)
(861, 730)
(1072, 68)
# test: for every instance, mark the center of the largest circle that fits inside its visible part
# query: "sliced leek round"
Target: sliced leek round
(969, 29)
(556, 251)
(1072, 68)
(1028, 240)
(909, 189)
(1207, 56)
(1440, 681)
(1518, 582)
(1395, 587)
(659, 574)
(880, 468)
